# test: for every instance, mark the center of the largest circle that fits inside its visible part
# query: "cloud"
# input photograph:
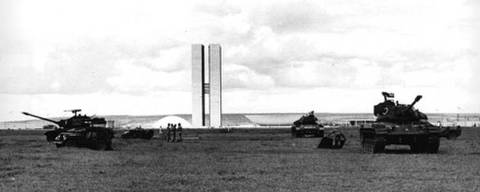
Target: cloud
(86, 66)
(53, 47)
(239, 76)
(291, 16)
(71, 70)
(217, 8)
(135, 79)
(267, 39)
(322, 73)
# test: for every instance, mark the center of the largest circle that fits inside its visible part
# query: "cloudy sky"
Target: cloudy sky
(133, 57)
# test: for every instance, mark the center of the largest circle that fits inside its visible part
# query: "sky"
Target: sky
(133, 57)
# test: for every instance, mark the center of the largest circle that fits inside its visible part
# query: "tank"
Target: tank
(308, 125)
(402, 124)
(80, 131)
(138, 133)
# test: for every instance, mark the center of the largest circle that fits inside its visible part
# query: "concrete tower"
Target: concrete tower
(215, 65)
(200, 87)
(198, 91)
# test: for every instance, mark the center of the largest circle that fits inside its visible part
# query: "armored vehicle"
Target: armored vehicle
(308, 125)
(404, 125)
(80, 131)
(138, 133)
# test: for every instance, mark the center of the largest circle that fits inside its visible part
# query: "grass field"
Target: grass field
(244, 160)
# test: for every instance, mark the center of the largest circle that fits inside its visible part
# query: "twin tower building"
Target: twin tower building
(202, 86)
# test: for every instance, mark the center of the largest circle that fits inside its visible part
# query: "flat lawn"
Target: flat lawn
(237, 161)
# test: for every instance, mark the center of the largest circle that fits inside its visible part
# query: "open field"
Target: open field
(243, 160)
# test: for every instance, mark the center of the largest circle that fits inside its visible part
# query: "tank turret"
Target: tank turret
(307, 119)
(74, 122)
(390, 111)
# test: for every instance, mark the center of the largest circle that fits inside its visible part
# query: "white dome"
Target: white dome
(163, 122)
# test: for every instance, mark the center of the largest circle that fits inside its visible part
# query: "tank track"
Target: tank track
(425, 144)
(421, 144)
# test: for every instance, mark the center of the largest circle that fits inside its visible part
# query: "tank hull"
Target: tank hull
(94, 138)
(313, 130)
(422, 137)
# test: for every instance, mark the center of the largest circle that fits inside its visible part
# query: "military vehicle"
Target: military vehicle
(333, 139)
(80, 131)
(402, 124)
(138, 133)
(308, 125)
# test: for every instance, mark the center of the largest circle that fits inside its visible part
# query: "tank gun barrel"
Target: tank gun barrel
(415, 101)
(42, 118)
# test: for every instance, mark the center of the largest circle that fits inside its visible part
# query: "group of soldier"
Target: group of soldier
(174, 132)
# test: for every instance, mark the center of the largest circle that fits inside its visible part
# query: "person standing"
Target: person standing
(174, 130)
(160, 132)
(179, 132)
(168, 132)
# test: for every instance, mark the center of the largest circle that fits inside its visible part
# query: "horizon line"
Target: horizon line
(238, 113)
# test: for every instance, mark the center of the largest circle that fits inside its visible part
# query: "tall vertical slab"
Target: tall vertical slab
(215, 74)
(198, 78)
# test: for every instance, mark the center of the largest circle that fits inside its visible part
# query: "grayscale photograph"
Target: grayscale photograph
(239, 95)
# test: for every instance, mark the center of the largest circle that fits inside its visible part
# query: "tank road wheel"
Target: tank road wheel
(433, 144)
